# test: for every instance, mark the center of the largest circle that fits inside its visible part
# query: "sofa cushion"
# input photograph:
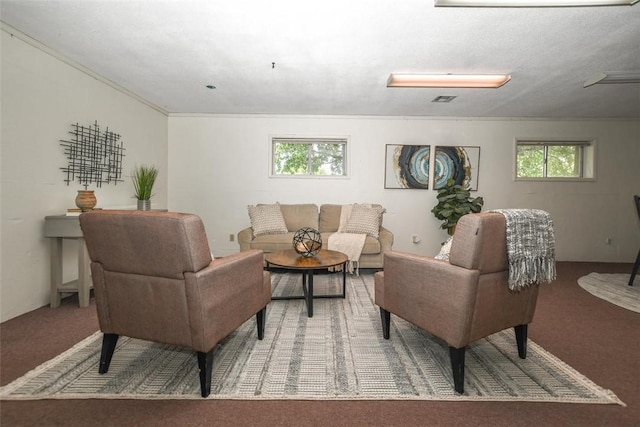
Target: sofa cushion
(299, 216)
(329, 218)
(365, 220)
(371, 246)
(443, 255)
(281, 242)
(273, 242)
(266, 219)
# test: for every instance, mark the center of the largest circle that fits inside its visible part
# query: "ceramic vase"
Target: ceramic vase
(86, 200)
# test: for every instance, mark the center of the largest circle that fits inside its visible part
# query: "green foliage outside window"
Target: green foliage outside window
(530, 161)
(549, 160)
(563, 160)
(309, 157)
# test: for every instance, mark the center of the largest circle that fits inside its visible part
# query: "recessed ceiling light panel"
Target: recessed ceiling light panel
(448, 80)
(533, 3)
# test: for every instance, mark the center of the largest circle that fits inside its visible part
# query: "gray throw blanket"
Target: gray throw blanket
(530, 247)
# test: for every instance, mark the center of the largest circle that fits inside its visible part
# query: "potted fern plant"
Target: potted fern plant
(454, 201)
(144, 177)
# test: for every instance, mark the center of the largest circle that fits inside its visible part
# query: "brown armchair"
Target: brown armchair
(462, 300)
(154, 279)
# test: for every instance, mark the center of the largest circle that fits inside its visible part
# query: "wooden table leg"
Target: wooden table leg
(56, 271)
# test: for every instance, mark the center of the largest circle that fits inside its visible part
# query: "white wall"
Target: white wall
(41, 97)
(219, 164)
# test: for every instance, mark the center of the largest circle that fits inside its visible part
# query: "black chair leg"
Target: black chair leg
(457, 366)
(635, 269)
(109, 342)
(205, 363)
(386, 322)
(261, 318)
(521, 340)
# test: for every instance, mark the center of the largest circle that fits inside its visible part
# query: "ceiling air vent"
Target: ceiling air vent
(443, 98)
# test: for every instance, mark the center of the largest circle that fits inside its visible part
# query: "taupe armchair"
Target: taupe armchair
(154, 279)
(462, 300)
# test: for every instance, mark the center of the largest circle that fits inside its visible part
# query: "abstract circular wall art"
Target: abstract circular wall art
(457, 163)
(407, 166)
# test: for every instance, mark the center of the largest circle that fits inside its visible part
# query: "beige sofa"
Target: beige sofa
(326, 220)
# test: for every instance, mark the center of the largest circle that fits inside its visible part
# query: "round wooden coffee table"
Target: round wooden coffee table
(291, 260)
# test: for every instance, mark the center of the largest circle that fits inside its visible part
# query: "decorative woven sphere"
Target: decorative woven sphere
(307, 242)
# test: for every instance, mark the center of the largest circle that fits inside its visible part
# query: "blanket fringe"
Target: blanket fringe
(525, 272)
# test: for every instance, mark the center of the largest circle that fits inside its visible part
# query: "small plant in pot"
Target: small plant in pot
(455, 201)
(144, 177)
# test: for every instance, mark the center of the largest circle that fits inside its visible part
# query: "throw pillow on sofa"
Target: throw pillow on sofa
(267, 219)
(365, 220)
(443, 255)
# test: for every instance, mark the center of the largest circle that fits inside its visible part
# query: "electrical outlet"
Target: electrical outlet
(231, 237)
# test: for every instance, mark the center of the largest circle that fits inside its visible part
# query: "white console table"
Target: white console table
(58, 227)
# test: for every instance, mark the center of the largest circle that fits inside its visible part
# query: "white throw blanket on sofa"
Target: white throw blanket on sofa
(349, 244)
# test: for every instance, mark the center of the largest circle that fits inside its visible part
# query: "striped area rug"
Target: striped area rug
(339, 353)
(613, 288)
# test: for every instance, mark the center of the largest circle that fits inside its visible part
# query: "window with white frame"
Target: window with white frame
(308, 157)
(555, 160)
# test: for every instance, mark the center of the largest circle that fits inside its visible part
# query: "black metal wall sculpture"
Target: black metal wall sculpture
(95, 157)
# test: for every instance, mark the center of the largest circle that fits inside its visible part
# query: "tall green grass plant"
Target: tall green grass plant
(144, 177)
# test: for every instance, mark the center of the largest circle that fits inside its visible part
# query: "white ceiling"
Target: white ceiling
(334, 56)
